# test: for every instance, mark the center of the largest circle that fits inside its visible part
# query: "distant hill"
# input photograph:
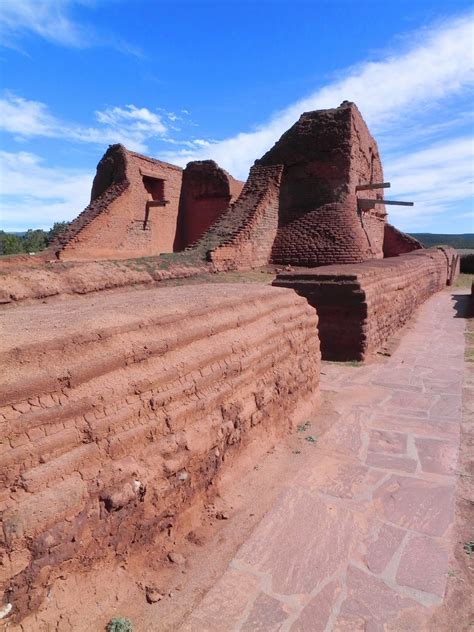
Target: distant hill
(456, 241)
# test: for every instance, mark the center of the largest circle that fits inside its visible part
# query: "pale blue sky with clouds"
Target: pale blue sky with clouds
(223, 79)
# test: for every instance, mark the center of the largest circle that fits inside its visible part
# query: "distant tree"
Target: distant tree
(35, 240)
(57, 228)
(10, 244)
(428, 240)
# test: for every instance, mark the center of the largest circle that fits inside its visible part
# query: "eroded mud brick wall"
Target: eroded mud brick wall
(397, 243)
(207, 191)
(243, 236)
(114, 419)
(360, 306)
(116, 224)
(326, 154)
(300, 204)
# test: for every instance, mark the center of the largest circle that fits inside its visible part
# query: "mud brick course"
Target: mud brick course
(360, 306)
(326, 154)
(121, 409)
(244, 235)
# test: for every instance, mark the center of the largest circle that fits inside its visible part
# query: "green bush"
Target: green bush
(119, 624)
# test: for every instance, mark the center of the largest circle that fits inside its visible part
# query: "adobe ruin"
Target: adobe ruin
(144, 207)
(308, 200)
(303, 204)
(116, 420)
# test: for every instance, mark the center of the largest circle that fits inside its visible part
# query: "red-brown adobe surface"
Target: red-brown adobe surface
(142, 207)
(299, 205)
(207, 190)
(119, 410)
(397, 243)
(361, 306)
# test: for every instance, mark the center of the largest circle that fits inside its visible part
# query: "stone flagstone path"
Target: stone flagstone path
(360, 539)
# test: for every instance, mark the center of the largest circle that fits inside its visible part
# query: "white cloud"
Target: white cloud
(45, 18)
(25, 118)
(130, 125)
(435, 178)
(440, 64)
(45, 196)
(52, 20)
(139, 119)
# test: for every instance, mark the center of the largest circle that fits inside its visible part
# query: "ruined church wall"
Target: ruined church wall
(250, 226)
(113, 421)
(334, 233)
(326, 154)
(206, 193)
(118, 231)
(361, 306)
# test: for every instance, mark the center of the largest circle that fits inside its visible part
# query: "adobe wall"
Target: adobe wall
(113, 225)
(360, 306)
(326, 154)
(243, 236)
(207, 191)
(312, 215)
(397, 243)
(131, 215)
(112, 421)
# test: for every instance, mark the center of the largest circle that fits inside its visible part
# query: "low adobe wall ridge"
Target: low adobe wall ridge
(361, 306)
(115, 431)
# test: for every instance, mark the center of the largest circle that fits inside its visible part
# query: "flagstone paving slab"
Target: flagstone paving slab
(316, 614)
(381, 550)
(314, 538)
(359, 539)
(415, 504)
(391, 462)
(391, 442)
(423, 565)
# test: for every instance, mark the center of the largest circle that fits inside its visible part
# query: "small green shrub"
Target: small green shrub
(119, 624)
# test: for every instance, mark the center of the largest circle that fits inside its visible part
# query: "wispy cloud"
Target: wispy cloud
(439, 65)
(54, 20)
(131, 125)
(139, 119)
(436, 178)
(45, 18)
(49, 194)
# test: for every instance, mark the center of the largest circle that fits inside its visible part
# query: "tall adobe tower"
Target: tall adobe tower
(302, 203)
(326, 155)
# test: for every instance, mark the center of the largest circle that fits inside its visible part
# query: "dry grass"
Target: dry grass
(464, 280)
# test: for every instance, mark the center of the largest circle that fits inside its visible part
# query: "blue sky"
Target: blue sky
(191, 79)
